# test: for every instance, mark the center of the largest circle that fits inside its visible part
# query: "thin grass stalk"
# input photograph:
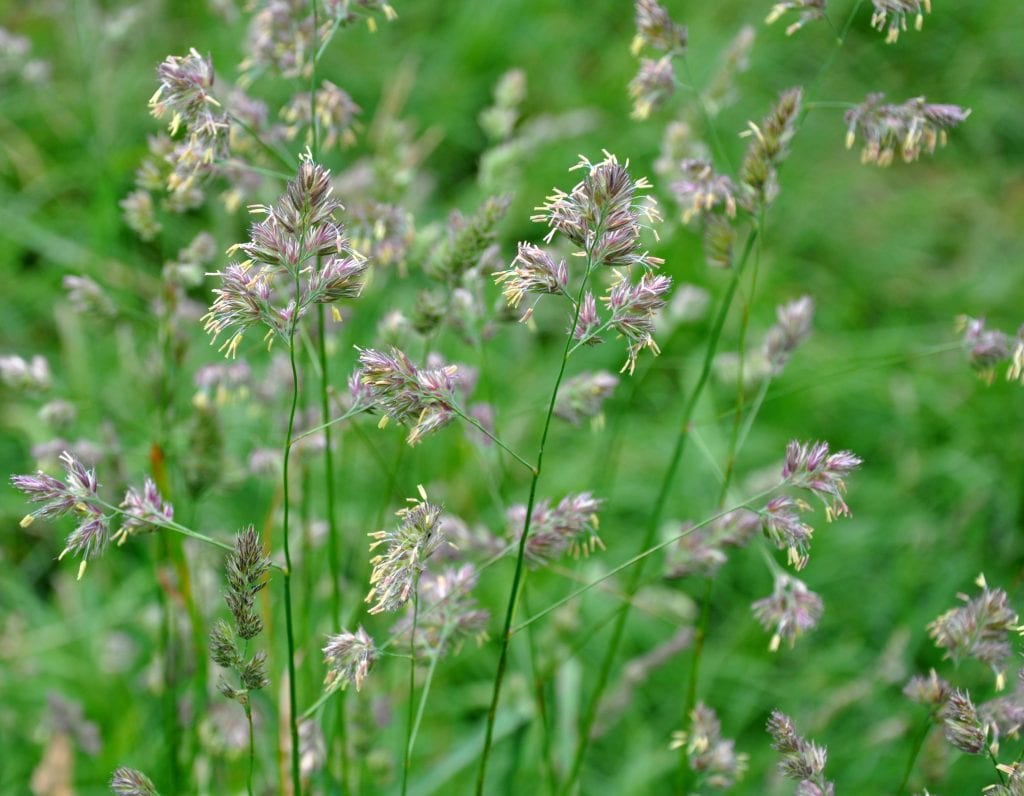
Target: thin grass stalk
(517, 577)
(421, 709)
(411, 719)
(915, 750)
(293, 720)
(651, 530)
(172, 729)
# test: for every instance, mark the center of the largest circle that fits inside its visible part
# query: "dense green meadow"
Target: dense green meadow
(114, 669)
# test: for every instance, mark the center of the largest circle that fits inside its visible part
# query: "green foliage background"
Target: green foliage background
(890, 256)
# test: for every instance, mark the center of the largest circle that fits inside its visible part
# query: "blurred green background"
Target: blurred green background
(891, 257)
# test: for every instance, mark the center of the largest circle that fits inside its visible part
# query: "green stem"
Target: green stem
(654, 520)
(172, 728)
(479, 427)
(434, 658)
(517, 577)
(915, 750)
(411, 720)
(247, 705)
(293, 719)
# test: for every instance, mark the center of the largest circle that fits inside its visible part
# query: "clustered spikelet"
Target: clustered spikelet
(1014, 781)
(143, 510)
(185, 92)
(979, 629)
(710, 755)
(811, 467)
(131, 782)
(349, 658)
(633, 307)
(701, 549)
(802, 760)
(701, 190)
(25, 375)
(335, 113)
(989, 348)
(283, 37)
(468, 239)
(768, 147)
(571, 527)
(792, 328)
(448, 612)
(791, 610)
(806, 11)
(398, 568)
(583, 396)
(532, 271)
(932, 690)
(392, 384)
(603, 214)
(891, 16)
(246, 569)
(910, 128)
(654, 83)
(719, 241)
(299, 244)
(655, 28)
(78, 494)
(961, 724)
(87, 297)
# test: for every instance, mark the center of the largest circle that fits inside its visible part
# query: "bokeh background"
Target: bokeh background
(891, 257)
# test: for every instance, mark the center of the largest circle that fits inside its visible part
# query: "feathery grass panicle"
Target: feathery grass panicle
(298, 244)
(582, 396)
(185, 92)
(932, 690)
(603, 214)
(143, 511)
(961, 724)
(247, 567)
(421, 397)
(131, 782)
(791, 610)
(806, 11)
(397, 569)
(655, 28)
(654, 83)
(532, 271)
(907, 129)
(979, 629)
(891, 16)
(633, 307)
(571, 527)
(792, 328)
(335, 111)
(701, 190)
(702, 549)
(713, 757)
(988, 348)
(23, 375)
(811, 467)
(802, 760)
(768, 147)
(349, 658)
